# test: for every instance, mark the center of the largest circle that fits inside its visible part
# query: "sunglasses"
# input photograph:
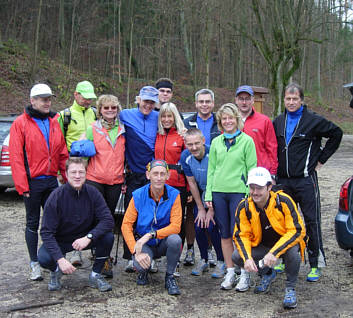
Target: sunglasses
(109, 107)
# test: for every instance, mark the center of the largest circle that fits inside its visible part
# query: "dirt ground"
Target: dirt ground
(201, 296)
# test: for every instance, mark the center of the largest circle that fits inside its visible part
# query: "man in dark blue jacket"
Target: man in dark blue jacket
(75, 217)
(299, 133)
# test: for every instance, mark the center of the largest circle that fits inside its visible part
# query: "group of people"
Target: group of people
(231, 179)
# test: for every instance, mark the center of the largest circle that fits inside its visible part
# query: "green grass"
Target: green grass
(347, 127)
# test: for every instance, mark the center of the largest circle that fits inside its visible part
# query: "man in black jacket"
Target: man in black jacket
(299, 132)
(75, 217)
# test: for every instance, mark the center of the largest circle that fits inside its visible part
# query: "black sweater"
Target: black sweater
(70, 214)
(300, 157)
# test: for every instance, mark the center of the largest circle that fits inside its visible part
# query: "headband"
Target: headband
(156, 163)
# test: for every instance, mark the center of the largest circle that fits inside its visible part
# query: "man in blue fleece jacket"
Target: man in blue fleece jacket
(75, 217)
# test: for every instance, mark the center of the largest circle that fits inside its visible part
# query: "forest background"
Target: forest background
(121, 45)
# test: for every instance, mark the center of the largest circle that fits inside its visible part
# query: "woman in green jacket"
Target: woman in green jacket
(232, 155)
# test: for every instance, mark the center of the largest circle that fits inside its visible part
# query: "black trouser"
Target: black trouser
(110, 193)
(305, 192)
(39, 191)
(291, 259)
(133, 181)
(183, 199)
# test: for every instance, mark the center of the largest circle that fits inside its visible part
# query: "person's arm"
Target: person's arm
(61, 121)
(242, 232)
(201, 215)
(175, 221)
(250, 155)
(129, 220)
(50, 223)
(271, 146)
(294, 227)
(16, 148)
(334, 134)
(212, 161)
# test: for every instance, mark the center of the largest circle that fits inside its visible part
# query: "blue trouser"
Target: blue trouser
(202, 240)
(103, 247)
(39, 191)
(291, 259)
(170, 247)
(225, 205)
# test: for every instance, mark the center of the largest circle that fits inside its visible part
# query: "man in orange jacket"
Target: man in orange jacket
(37, 151)
(268, 226)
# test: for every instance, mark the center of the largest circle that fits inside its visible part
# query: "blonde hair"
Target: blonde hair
(232, 110)
(106, 99)
(178, 123)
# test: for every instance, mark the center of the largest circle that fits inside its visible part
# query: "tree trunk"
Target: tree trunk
(36, 41)
(187, 50)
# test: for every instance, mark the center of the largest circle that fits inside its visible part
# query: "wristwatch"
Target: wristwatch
(153, 234)
(90, 236)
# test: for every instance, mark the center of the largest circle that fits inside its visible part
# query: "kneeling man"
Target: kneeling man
(268, 226)
(155, 210)
(75, 217)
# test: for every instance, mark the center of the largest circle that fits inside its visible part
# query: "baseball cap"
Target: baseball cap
(260, 176)
(244, 89)
(86, 89)
(41, 90)
(149, 93)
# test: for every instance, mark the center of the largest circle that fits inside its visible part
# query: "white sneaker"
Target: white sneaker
(153, 268)
(201, 267)
(129, 268)
(219, 270)
(229, 280)
(176, 271)
(36, 273)
(211, 259)
(76, 258)
(244, 281)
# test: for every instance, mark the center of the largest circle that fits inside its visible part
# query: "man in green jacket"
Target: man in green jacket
(74, 122)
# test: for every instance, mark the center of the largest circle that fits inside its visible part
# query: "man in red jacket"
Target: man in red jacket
(259, 127)
(37, 152)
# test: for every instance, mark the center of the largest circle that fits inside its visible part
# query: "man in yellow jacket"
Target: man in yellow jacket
(268, 226)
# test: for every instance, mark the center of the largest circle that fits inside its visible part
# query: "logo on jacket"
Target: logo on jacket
(255, 130)
(175, 144)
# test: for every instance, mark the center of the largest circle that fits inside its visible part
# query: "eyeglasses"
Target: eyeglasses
(207, 102)
(165, 91)
(246, 99)
(110, 107)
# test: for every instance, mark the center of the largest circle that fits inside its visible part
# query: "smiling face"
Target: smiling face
(167, 120)
(229, 123)
(204, 105)
(76, 175)
(259, 194)
(41, 104)
(292, 100)
(146, 106)
(109, 111)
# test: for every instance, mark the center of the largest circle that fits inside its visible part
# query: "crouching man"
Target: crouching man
(268, 226)
(155, 210)
(75, 217)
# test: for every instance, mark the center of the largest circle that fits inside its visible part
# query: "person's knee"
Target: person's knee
(44, 258)
(174, 241)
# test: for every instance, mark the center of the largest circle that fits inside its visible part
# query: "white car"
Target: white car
(6, 180)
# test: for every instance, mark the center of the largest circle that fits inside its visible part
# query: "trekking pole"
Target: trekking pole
(117, 248)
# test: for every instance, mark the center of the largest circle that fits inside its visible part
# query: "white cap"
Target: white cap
(260, 176)
(41, 90)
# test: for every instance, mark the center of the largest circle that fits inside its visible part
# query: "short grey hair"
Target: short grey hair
(204, 91)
